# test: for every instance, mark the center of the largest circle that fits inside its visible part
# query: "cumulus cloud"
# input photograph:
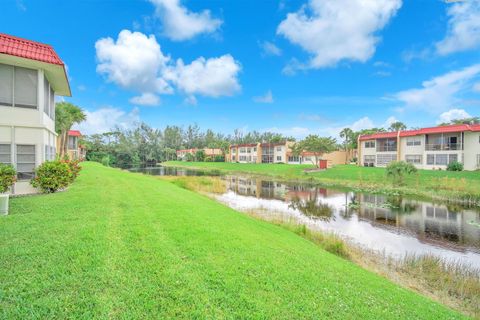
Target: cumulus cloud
(463, 31)
(107, 118)
(336, 30)
(180, 24)
(266, 98)
(146, 99)
(213, 77)
(453, 114)
(439, 93)
(136, 62)
(270, 49)
(133, 61)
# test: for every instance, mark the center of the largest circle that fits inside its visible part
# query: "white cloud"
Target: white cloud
(136, 62)
(212, 77)
(270, 49)
(463, 31)
(389, 122)
(383, 74)
(360, 124)
(266, 98)
(107, 118)
(453, 114)
(179, 23)
(439, 93)
(81, 87)
(146, 99)
(332, 31)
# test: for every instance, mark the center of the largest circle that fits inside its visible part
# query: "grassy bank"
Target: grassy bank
(123, 245)
(442, 185)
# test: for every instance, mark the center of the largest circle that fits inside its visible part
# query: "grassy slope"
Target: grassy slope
(123, 245)
(441, 183)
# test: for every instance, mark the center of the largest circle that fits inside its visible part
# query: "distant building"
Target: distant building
(209, 152)
(427, 148)
(280, 152)
(75, 151)
(31, 74)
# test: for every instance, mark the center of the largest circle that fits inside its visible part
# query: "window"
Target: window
(46, 97)
(242, 150)
(5, 153)
(72, 143)
(441, 159)
(242, 158)
(385, 159)
(6, 85)
(249, 150)
(255, 149)
(293, 159)
(233, 158)
(430, 159)
(413, 158)
(52, 103)
(234, 151)
(415, 141)
(279, 149)
(369, 160)
(50, 153)
(452, 158)
(369, 144)
(25, 88)
(279, 158)
(25, 161)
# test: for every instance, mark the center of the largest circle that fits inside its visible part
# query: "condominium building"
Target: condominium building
(427, 148)
(31, 74)
(75, 150)
(280, 152)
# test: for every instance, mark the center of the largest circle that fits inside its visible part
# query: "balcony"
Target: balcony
(386, 148)
(443, 147)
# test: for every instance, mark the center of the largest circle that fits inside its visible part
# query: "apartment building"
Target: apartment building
(209, 152)
(279, 153)
(31, 74)
(75, 151)
(427, 148)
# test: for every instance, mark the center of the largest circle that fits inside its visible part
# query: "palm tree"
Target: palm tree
(347, 135)
(66, 115)
(397, 126)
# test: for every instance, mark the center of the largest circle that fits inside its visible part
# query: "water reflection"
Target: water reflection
(173, 171)
(394, 224)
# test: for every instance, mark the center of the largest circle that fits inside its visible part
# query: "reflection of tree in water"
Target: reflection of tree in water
(350, 207)
(312, 208)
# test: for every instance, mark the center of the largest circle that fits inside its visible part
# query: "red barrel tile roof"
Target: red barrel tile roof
(74, 133)
(432, 130)
(28, 49)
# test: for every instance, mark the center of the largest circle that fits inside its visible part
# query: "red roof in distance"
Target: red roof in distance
(431, 130)
(74, 133)
(28, 49)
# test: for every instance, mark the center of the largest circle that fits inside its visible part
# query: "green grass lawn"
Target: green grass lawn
(124, 245)
(426, 182)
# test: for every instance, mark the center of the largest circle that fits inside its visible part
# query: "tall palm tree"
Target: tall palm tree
(66, 115)
(347, 134)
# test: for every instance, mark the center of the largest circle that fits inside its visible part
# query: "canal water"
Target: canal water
(392, 225)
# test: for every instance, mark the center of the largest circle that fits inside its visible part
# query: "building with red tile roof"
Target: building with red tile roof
(426, 148)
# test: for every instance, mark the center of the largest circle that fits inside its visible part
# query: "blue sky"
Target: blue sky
(294, 67)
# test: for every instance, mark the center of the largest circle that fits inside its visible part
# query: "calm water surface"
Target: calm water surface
(393, 225)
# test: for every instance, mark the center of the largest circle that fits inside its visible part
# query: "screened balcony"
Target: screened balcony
(444, 142)
(387, 145)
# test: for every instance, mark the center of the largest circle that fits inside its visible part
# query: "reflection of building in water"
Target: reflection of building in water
(256, 187)
(431, 221)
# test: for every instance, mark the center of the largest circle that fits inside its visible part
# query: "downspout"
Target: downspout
(359, 152)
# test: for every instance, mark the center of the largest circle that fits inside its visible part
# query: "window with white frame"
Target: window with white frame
(6, 153)
(52, 103)
(430, 159)
(25, 160)
(369, 160)
(279, 158)
(242, 150)
(385, 159)
(18, 87)
(50, 153)
(370, 144)
(279, 149)
(452, 158)
(413, 158)
(25, 88)
(441, 159)
(293, 159)
(46, 97)
(414, 141)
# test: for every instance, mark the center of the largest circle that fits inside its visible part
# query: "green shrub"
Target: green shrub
(106, 161)
(200, 155)
(208, 159)
(219, 158)
(397, 170)
(189, 157)
(52, 176)
(8, 176)
(455, 166)
(74, 167)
